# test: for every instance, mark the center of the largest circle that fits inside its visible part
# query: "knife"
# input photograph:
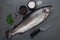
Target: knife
(41, 29)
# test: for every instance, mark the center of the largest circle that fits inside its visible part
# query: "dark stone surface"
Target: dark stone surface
(53, 33)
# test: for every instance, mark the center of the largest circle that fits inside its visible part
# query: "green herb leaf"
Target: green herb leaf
(9, 19)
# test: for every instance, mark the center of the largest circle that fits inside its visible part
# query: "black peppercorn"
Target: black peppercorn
(23, 10)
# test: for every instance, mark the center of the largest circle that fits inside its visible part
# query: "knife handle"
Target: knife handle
(35, 32)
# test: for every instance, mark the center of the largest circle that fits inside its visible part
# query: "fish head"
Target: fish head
(47, 9)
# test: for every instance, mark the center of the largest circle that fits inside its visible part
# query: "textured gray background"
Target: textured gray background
(53, 33)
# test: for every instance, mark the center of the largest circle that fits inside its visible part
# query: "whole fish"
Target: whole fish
(34, 19)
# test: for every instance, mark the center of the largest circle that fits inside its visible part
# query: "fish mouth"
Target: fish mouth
(47, 9)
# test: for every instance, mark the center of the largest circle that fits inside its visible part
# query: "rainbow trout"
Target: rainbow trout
(34, 19)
